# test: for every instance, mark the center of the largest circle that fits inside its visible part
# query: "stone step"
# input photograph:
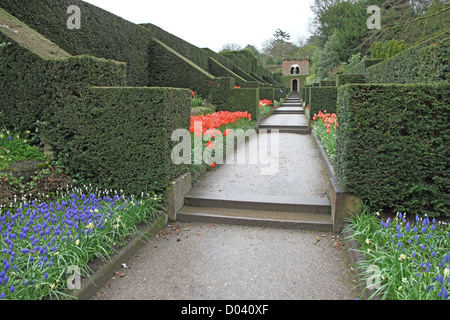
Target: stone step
(297, 105)
(295, 204)
(257, 218)
(302, 129)
(289, 110)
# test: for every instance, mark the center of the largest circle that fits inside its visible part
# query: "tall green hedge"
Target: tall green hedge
(393, 146)
(387, 49)
(69, 79)
(116, 137)
(322, 98)
(266, 93)
(22, 94)
(120, 137)
(102, 34)
(245, 99)
(342, 79)
(219, 70)
(428, 61)
(168, 68)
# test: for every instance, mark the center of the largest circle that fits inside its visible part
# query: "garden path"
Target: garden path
(238, 237)
(289, 190)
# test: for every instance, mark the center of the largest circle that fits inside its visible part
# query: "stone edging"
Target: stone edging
(343, 203)
(352, 246)
(90, 286)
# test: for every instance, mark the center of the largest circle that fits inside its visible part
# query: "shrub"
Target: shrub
(120, 137)
(322, 98)
(387, 49)
(342, 79)
(392, 146)
(425, 62)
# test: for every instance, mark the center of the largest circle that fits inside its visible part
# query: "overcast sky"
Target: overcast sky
(211, 24)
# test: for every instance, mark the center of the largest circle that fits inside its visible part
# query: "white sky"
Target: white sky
(211, 24)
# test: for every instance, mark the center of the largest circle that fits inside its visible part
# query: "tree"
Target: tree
(230, 47)
(327, 59)
(347, 17)
(305, 52)
(254, 51)
(410, 20)
(279, 48)
(281, 35)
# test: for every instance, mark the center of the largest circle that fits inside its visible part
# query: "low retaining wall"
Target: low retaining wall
(343, 204)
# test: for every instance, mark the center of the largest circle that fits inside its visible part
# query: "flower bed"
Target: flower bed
(266, 107)
(218, 124)
(41, 241)
(14, 147)
(325, 126)
(217, 119)
(406, 258)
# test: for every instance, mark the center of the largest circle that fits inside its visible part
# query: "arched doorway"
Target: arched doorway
(294, 85)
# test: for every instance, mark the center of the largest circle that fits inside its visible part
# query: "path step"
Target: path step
(266, 219)
(299, 204)
(302, 129)
(289, 110)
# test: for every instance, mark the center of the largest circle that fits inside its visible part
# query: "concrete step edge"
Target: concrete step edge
(301, 204)
(207, 215)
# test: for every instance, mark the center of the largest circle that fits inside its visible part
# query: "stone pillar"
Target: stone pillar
(175, 195)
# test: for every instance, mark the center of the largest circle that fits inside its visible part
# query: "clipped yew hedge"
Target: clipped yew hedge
(342, 79)
(322, 98)
(120, 137)
(22, 94)
(393, 146)
(427, 61)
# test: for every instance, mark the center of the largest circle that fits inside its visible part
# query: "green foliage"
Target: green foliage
(414, 266)
(425, 62)
(411, 21)
(15, 147)
(392, 146)
(328, 58)
(120, 137)
(245, 99)
(168, 68)
(342, 79)
(102, 34)
(322, 98)
(346, 20)
(219, 70)
(266, 93)
(22, 93)
(387, 49)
